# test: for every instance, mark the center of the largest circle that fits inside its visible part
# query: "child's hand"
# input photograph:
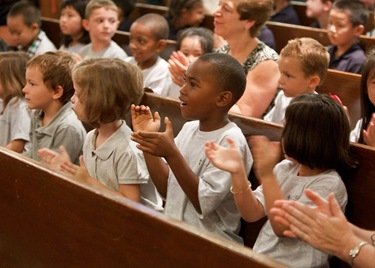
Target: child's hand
(156, 143)
(53, 159)
(266, 155)
(142, 119)
(228, 159)
(369, 133)
(80, 172)
(178, 64)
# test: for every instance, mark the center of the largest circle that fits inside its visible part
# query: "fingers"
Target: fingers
(69, 168)
(168, 127)
(315, 198)
(334, 206)
(82, 162)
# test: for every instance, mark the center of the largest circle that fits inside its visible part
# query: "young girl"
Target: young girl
(14, 114)
(364, 131)
(74, 35)
(111, 158)
(183, 14)
(192, 43)
(315, 143)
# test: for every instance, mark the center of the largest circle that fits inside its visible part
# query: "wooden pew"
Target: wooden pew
(49, 219)
(347, 87)
(284, 32)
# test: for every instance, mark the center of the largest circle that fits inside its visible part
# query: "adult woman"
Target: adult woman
(239, 23)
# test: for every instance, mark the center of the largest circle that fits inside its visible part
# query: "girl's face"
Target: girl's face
(371, 86)
(78, 106)
(194, 16)
(191, 47)
(71, 22)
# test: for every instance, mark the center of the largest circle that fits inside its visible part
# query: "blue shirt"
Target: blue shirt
(351, 61)
(286, 15)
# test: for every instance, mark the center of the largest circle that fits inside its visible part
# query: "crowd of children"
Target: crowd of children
(67, 109)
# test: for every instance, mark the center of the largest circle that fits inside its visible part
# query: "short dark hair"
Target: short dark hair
(176, 7)
(56, 68)
(156, 23)
(357, 11)
(228, 73)
(316, 133)
(28, 11)
(205, 36)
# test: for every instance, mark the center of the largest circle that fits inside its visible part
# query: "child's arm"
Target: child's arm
(230, 159)
(156, 145)
(16, 145)
(369, 133)
(142, 120)
(266, 155)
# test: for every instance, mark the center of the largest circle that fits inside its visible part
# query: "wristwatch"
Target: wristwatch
(355, 251)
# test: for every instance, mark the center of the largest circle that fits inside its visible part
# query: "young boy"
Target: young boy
(148, 37)
(196, 192)
(346, 24)
(303, 65)
(48, 89)
(319, 10)
(101, 21)
(24, 24)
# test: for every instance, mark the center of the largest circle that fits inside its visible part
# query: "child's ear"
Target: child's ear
(35, 28)
(161, 45)
(225, 98)
(358, 30)
(314, 81)
(58, 92)
(85, 24)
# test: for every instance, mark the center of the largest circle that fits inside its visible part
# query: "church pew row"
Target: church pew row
(51, 220)
(284, 32)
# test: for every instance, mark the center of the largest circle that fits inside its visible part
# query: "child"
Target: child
(284, 12)
(111, 158)
(315, 142)
(303, 65)
(196, 192)
(125, 8)
(319, 10)
(101, 22)
(24, 24)
(364, 129)
(14, 115)
(148, 37)
(48, 89)
(74, 35)
(346, 24)
(192, 43)
(183, 14)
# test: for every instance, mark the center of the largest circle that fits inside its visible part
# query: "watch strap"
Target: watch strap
(355, 251)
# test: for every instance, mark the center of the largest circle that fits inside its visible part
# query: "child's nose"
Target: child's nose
(331, 28)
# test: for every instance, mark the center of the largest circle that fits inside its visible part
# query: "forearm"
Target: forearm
(364, 235)
(16, 145)
(158, 171)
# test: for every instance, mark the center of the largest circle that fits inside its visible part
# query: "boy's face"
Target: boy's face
(341, 31)
(77, 106)
(21, 34)
(191, 47)
(315, 8)
(102, 25)
(199, 94)
(37, 94)
(293, 80)
(70, 22)
(143, 45)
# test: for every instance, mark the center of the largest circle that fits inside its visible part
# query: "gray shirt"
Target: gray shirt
(112, 51)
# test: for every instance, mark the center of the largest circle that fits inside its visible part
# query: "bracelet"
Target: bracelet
(241, 192)
(373, 240)
(355, 251)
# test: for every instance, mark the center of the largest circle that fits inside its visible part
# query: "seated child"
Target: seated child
(24, 24)
(346, 24)
(303, 65)
(315, 142)
(192, 43)
(284, 12)
(74, 35)
(319, 10)
(125, 8)
(196, 192)
(48, 90)
(111, 158)
(148, 37)
(101, 21)
(14, 114)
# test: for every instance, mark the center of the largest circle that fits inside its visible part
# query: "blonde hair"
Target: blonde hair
(312, 55)
(107, 88)
(95, 4)
(12, 75)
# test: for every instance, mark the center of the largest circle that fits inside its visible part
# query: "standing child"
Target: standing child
(148, 37)
(14, 114)
(101, 21)
(24, 24)
(197, 192)
(74, 35)
(319, 10)
(364, 131)
(111, 158)
(315, 142)
(347, 22)
(48, 89)
(303, 65)
(192, 43)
